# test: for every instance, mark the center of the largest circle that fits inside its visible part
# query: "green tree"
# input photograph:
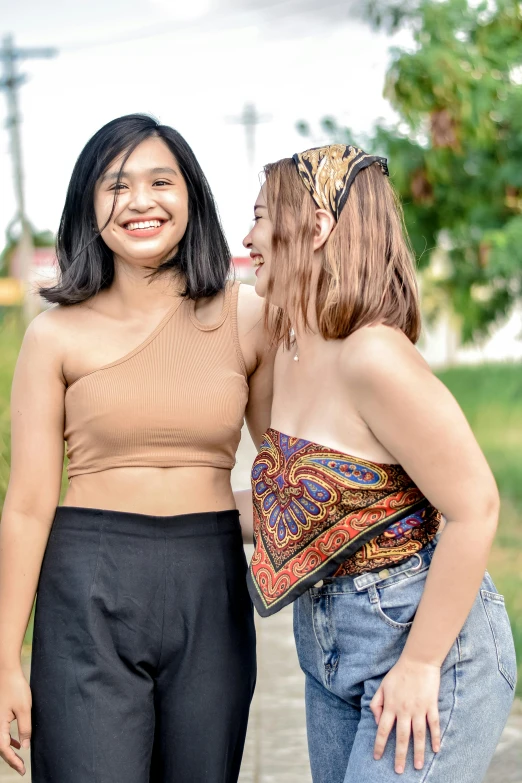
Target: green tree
(455, 154)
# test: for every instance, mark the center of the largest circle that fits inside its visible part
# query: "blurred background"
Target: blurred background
(435, 85)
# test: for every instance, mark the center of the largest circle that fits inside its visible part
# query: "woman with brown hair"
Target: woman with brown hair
(374, 508)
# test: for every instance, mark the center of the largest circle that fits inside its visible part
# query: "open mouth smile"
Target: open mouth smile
(143, 228)
(257, 262)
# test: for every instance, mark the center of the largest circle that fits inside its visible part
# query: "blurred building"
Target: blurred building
(441, 347)
(243, 269)
(42, 271)
(440, 343)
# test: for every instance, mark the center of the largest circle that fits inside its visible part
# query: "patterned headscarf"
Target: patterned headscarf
(329, 172)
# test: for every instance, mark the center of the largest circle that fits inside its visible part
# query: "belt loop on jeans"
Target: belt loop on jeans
(363, 581)
(373, 595)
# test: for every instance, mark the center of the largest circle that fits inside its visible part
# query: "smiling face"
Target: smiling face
(151, 211)
(259, 242)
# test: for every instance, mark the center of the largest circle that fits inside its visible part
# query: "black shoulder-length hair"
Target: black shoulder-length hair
(86, 263)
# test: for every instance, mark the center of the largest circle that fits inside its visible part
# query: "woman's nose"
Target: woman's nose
(141, 199)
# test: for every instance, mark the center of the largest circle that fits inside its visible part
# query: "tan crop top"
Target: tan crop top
(177, 399)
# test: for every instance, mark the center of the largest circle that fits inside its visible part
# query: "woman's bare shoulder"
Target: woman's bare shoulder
(254, 327)
(53, 330)
(375, 352)
(57, 319)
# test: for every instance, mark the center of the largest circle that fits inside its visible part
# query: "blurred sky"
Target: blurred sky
(193, 64)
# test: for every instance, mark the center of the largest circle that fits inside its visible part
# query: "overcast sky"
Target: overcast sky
(193, 64)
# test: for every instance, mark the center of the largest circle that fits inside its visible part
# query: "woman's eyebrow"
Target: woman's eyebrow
(115, 175)
(259, 206)
(164, 170)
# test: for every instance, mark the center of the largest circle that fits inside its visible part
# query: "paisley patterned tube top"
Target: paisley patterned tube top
(320, 513)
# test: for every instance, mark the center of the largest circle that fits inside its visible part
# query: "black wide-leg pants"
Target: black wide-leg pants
(143, 662)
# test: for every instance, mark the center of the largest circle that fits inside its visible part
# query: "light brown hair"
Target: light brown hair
(368, 271)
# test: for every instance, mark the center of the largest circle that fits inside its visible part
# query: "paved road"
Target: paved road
(276, 743)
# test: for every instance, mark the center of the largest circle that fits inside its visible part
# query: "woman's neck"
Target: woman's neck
(135, 290)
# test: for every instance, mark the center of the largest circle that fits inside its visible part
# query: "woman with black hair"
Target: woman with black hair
(144, 647)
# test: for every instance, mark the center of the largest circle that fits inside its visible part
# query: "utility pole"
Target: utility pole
(10, 83)
(250, 119)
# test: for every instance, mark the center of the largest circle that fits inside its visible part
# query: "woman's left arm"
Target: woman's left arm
(419, 422)
(259, 354)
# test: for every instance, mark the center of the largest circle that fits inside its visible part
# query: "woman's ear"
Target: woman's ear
(324, 224)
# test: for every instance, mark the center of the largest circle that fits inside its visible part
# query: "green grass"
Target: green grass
(11, 333)
(491, 397)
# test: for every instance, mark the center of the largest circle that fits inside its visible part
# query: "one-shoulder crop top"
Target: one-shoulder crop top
(177, 399)
(320, 513)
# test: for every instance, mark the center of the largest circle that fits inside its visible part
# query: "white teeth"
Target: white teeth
(143, 224)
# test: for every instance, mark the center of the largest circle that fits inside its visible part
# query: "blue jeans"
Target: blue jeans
(351, 631)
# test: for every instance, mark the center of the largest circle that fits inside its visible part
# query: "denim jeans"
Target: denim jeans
(351, 631)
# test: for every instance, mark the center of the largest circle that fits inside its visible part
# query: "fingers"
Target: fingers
(14, 761)
(419, 741)
(418, 726)
(434, 724)
(6, 751)
(405, 726)
(407, 698)
(15, 743)
(377, 704)
(402, 741)
(383, 732)
(23, 718)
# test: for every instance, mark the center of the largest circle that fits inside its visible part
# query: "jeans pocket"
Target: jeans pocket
(502, 636)
(396, 603)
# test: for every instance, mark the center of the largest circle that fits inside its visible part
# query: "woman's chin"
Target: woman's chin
(147, 256)
(260, 287)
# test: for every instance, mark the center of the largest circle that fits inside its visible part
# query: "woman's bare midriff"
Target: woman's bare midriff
(155, 491)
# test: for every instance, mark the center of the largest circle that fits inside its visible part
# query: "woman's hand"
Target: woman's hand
(15, 702)
(408, 696)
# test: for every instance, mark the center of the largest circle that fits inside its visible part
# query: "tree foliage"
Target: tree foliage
(387, 14)
(456, 154)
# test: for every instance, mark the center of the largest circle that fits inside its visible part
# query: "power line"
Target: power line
(10, 84)
(250, 119)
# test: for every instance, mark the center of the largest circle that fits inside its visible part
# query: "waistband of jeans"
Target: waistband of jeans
(76, 519)
(418, 562)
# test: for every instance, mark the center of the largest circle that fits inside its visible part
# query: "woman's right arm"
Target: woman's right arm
(37, 425)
